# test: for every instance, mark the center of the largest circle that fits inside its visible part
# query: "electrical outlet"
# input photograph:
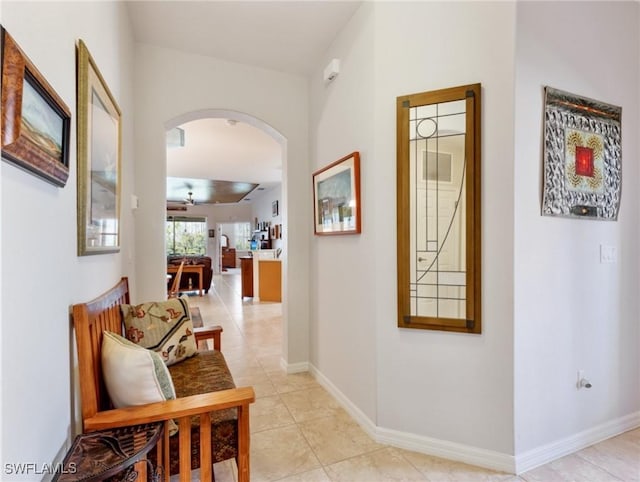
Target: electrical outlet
(582, 381)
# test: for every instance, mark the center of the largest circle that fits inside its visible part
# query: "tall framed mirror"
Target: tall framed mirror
(438, 210)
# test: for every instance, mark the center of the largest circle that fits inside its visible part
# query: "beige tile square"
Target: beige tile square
(279, 453)
(382, 465)
(437, 469)
(570, 468)
(268, 413)
(311, 403)
(620, 456)
(316, 475)
(290, 382)
(271, 363)
(337, 438)
(263, 389)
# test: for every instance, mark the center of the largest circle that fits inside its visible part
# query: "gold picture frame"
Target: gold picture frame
(336, 197)
(99, 160)
(35, 120)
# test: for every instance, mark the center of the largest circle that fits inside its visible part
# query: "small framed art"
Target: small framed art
(582, 157)
(336, 197)
(35, 120)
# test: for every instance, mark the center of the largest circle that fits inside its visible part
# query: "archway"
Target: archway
(230, 115)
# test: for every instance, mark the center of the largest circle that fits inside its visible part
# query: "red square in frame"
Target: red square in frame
(584, 161)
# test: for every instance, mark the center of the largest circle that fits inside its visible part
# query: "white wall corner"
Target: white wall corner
(542, 455)
(418, 443)
(294, 367)
(358, 415)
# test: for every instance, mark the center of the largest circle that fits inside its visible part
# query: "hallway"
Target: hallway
(300, 433)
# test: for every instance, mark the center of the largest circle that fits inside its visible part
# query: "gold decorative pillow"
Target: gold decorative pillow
(162, 326)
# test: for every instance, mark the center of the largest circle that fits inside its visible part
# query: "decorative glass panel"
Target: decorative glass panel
(439, 210)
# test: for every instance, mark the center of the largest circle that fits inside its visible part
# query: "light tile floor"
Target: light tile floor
(300, 433)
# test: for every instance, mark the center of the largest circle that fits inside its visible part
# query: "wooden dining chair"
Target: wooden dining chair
(175, 285)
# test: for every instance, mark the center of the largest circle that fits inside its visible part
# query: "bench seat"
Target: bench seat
(207, 371)
(204, 388)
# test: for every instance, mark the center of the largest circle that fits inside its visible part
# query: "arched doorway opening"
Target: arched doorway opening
(231, 118)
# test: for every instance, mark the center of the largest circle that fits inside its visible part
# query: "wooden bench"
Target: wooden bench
(195, 414)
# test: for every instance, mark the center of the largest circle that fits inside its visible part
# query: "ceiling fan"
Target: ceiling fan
(189, 201)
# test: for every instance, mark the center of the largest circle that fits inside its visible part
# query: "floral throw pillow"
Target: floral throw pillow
(162, 326)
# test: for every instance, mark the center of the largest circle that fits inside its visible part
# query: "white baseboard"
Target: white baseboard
(473, 455)
(418, 443)
(445, 449)
(542, 455)
(294, 367)
(358, 415)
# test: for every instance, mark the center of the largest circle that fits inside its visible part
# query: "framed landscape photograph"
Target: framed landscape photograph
(35, 120)
(336, 197)
(99, 126)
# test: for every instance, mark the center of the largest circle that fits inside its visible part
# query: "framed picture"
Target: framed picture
(336, 197)
(35, 120)
(274, 208)
(212, 233)
(582, 157)
(99, 127)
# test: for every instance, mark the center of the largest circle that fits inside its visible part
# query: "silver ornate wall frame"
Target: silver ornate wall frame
(582, 157)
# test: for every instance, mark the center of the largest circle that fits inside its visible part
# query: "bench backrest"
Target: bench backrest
(90, 320)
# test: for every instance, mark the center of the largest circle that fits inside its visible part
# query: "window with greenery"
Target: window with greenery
(186, 235)
(242, 234)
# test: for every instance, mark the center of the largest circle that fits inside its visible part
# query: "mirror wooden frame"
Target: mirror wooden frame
(471, 322)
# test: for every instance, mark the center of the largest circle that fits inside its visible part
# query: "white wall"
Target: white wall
(41, 274)
(445, 386)
(572, 312)
(171, 84)
(343, 316)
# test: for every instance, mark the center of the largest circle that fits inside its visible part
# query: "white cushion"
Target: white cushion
(134, 375)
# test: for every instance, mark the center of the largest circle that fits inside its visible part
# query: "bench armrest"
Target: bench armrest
(181, 410)
(209, 333)
(170, 409)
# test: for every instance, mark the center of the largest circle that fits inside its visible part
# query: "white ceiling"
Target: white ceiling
(237, 152)
(286, 36)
